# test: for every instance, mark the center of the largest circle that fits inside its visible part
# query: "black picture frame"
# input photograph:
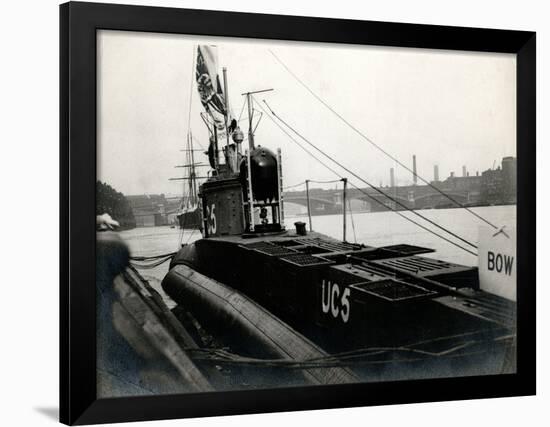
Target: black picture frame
(78, 25)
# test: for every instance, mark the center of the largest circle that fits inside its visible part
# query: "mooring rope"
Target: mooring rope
(348, 358)
(149, 262)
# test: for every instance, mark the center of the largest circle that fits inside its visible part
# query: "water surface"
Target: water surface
(373, 229)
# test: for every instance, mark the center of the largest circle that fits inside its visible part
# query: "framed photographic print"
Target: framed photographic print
(268, 213)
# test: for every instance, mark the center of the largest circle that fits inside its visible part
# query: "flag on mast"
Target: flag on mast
(210, 88)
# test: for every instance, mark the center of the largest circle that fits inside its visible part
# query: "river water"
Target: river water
(373, 229)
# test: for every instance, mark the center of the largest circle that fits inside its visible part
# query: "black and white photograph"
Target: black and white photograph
(277, 214)
(247, 213)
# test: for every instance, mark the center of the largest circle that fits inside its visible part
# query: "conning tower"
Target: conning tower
(244, 195)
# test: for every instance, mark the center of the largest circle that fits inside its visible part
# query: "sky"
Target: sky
(448, 108)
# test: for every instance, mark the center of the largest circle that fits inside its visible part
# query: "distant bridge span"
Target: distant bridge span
(317, 204)
(404, 197)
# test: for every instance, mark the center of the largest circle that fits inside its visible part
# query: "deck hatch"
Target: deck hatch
(329, 245)
(373, 255)
(268, 248)
(305, 260)
(350, 274)
(393, 290)
(393, 251)
(310, 249)
(372, 269)
(420, 266)
(405, 249)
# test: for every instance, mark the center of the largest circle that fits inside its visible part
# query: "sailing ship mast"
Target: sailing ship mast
(190, 178)
(192, 174)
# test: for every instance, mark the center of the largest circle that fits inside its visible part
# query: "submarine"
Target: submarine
(385, 313)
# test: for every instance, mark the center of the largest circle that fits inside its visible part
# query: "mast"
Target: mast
(345, 181)
(189, 147)
(226, 111)
(308, 205)
(188, 155)
(250, 113)
(193, 186)
(250, 130)
(216, 151)
(186, 158)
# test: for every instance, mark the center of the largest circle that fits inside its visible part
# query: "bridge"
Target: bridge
(318, 205)
(325, 202)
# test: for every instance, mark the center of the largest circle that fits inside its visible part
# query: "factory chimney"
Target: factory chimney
(436, 173)
(464, 170)
(414, 169)
(392, 178)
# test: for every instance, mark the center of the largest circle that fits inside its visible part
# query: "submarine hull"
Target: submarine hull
(247, 327)
(424, 313)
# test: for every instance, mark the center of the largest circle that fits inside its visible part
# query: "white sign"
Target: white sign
(497, 259)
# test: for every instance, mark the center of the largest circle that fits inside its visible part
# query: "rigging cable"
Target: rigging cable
(182, 229)
(363, 191)
(242, 109)
(369, 184)
(370, 141)
(294, 186)
(352, 222)
(325, 182)
(190, 235)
